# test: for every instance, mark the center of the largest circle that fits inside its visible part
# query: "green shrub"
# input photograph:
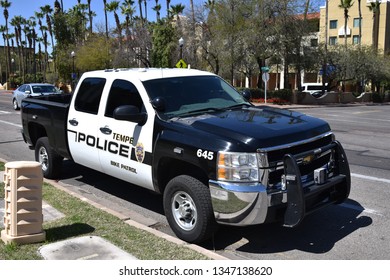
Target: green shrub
(377, 97)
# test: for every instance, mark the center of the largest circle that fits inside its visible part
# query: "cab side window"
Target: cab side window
(89, 95)
(122, 92)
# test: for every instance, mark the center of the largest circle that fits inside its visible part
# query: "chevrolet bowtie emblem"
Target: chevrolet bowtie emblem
(308, 159)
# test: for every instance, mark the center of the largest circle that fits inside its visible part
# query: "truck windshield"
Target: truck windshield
(196, 94)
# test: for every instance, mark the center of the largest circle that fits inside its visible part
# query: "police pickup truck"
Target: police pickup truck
(187, 134)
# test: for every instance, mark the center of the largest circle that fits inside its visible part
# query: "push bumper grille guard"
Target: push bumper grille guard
(302, 201)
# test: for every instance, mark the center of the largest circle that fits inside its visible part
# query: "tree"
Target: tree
(113, 7)
(17, 22)
(375, 9)
(91, 14)
(47, 11)
(5, 4)
(140, 10)
(168, 2)
(105, 16)
(91, 58)
(360, 22)
(346, 5)
(164, 43)
(157, 9)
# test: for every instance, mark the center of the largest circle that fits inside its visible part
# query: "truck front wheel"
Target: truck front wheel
(187, 206)
(51, 162)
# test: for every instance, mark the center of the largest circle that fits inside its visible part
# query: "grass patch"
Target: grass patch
(83, 219)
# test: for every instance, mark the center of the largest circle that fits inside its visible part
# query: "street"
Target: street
(358, 229)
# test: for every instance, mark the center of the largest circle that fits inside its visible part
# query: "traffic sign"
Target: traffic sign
(265, 69)
(265, 77)
(181, 64)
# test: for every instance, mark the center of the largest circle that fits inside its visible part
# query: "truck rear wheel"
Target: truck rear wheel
(187, 206)
(50, 160)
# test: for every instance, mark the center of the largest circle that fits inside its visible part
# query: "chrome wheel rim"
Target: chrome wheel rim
(43, 158)
(184, 211)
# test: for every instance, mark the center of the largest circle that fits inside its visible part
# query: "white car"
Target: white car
(31, 90)
(315, 89)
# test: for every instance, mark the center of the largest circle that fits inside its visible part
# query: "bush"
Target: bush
(377, 97)
(282, 96)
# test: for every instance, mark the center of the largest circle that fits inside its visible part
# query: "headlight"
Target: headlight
(238, 167)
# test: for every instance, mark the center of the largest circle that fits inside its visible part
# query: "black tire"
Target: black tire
(15, 104)
(187, 206)
(50, 160)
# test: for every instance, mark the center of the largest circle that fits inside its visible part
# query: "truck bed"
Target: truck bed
(46, 116)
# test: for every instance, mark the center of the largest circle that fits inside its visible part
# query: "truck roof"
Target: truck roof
(145, 74)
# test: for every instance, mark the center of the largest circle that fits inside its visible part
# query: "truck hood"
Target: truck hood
(256, 127)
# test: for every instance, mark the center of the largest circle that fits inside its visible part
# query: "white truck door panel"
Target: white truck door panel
(83, 121)
(128, 152)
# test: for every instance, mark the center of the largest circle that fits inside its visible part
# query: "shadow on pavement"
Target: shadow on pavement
(318, 233)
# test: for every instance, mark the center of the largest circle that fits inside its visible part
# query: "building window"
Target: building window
(333, 24)
(314, 42)
(356, 22)
(356, 39)
(332, 40)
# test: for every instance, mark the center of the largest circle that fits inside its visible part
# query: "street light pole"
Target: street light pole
(12, 74)
(73, 54)
(181, 43)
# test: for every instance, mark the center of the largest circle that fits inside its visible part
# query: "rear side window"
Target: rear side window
(89, 95)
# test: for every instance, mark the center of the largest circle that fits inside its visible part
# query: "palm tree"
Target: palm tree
(47, 10)
(17, 22)
(113, 7)
(3, 32)
(32, 37)
(146, 10)
(157, 9)
(346, 5)
(168, 11)
(5, 4)
(360, 22)
(91, 14)
(176, 10)
(105, 16)
(140, 9)
(128, 11)
(375, 9)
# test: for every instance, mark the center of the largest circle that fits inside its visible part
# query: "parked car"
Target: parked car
(315, 89)
(31, 90)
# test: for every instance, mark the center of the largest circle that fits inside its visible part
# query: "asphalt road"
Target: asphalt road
(357, 229)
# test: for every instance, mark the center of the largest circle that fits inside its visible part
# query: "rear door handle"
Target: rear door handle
(74, 122)
(106, 130)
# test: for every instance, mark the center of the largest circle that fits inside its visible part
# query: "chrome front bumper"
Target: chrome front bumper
(243, 204)
(239, 204)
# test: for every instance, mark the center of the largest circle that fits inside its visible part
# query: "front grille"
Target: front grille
(272, 175)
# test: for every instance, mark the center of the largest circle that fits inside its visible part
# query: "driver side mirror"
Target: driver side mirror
(27, 92)
(130, 113)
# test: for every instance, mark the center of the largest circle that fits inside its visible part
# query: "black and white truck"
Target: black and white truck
(189, 135)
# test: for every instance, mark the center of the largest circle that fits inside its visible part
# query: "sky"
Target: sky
(26, 8)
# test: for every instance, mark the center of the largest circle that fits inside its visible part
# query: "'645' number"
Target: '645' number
(205, 154)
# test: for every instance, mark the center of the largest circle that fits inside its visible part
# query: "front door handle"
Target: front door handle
(74, 122)
(106, 130)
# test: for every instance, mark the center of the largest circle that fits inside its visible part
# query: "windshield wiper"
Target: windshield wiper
(203, 110)
(237, 106)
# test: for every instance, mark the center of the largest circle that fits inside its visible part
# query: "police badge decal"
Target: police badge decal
(140, 152)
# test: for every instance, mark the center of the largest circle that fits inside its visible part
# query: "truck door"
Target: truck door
(83, 123)
(128, 146)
